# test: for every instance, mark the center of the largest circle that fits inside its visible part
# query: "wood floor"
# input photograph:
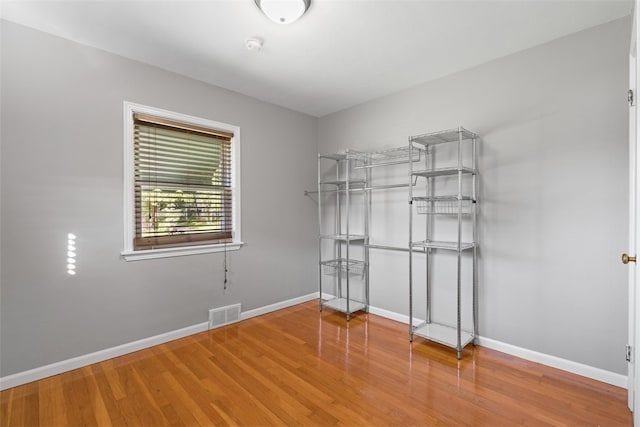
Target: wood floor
(300, 367)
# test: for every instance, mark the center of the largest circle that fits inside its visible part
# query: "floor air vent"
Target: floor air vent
(224, 315)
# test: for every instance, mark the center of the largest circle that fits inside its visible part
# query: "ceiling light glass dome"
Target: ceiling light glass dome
(283, 11)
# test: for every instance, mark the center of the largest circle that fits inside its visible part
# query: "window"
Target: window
(181, 184)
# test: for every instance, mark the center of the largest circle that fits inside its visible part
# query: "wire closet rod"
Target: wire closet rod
(388, 248)
(375, 187)
(395, 248)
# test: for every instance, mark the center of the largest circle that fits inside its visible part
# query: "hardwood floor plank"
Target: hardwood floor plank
(96, 399)
(105, 390)
(298, 366)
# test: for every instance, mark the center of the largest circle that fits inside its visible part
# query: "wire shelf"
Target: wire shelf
(340, 304)
(333, 266)
(353, 183)
(438, 244)
(444, 171)
(443, 205)
(392, 156)
(444, 334)
(358, 156)
(441, 137)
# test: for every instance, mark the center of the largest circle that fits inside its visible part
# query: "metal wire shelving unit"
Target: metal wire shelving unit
(342, 264)
(353, 171)
(460, 205)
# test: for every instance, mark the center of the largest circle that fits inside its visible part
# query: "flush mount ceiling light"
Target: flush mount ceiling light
(283, 11)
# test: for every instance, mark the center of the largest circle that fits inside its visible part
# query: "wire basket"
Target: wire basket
(442, 205)
(332, 267)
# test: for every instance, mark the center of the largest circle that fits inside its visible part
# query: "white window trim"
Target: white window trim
(129, 254)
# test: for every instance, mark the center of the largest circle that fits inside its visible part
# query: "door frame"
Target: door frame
(634, 222)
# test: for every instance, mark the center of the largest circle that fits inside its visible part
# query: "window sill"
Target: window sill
(180, 251)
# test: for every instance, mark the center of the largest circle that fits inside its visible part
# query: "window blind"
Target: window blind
(183, 189)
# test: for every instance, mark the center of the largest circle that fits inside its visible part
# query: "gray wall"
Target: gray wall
(61, 171)
(553, 213)
(553, 192)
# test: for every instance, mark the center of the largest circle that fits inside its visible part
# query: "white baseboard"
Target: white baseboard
(598, 374)
(98, 356)
(109, 353)
(277, 306)
(389, 315)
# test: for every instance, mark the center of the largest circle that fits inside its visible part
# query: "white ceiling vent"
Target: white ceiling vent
(224, 316)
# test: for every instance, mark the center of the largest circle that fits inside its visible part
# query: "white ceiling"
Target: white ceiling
(341, 53)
